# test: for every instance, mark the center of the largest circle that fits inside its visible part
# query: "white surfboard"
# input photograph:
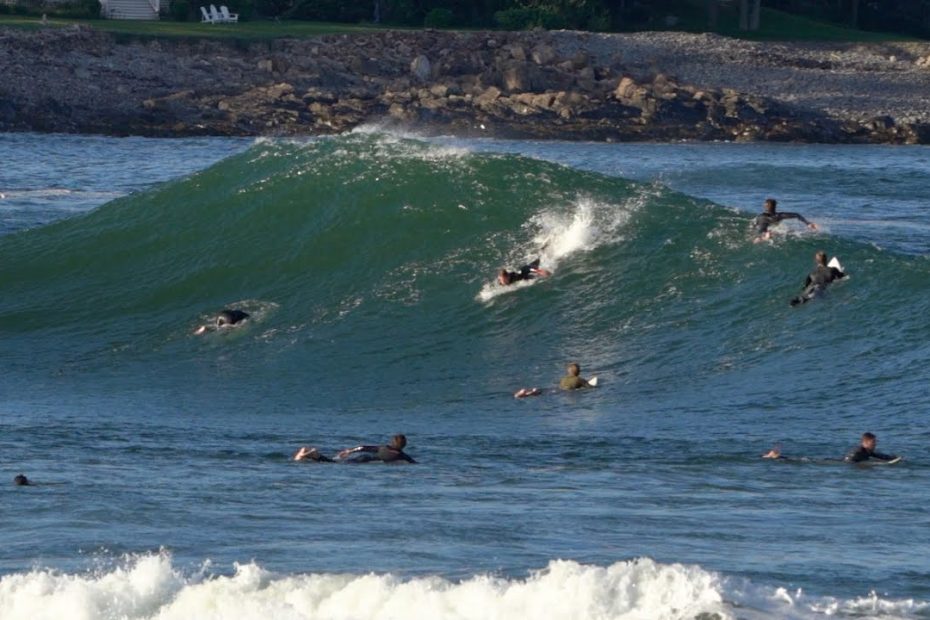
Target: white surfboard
(592, 381)
(835, 263)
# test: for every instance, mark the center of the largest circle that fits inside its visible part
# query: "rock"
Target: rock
(222, 106)
(439, 90)
(265, 65)
(543, 101)
(625, 88)
(517, 52)
(420, 68)
(543, 54)
(516, 79)
(490, 95)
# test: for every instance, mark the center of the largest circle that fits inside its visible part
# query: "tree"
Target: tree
(713, 12)
(755, 15)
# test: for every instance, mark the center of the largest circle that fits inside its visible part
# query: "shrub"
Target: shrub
(179, 10)
(439, 18)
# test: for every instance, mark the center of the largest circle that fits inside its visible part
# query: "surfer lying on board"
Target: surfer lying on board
(817, 280)
(226, 318)
(526, 272)
(866, 451)
(770, 217)
(572, 381)
(307, 453)
(391, 453)
(863, 452)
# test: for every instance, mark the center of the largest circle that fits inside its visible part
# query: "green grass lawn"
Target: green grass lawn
(775, 26)
(778, 26)
(251, 30)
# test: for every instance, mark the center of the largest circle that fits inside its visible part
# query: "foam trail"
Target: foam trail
(559, 234)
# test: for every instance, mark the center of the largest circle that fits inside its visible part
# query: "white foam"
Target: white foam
(150, 587)
(557, 234)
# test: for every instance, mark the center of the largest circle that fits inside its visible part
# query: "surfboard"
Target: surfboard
(896, 459)
(592, 381)
(835, 263)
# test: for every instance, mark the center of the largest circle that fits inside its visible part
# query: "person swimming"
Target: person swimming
(21, 481)
(526, 272)
(866, 450)
(226, 318)
(307, 453)
(770, 217)
(572, 381)
(863, 452)
(818, 279)
(391, 453)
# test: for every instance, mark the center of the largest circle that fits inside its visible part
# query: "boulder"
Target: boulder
(421, 68)
(490, 95)
(625, 88)
(543, 54)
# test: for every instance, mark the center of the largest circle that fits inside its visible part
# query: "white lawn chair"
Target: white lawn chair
(227, 16)
(217, 18)
(206, 19)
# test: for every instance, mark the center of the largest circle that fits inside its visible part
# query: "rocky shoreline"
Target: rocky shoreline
(539, 85)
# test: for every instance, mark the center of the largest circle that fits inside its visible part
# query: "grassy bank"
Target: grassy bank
(775, 26)
(251, 30)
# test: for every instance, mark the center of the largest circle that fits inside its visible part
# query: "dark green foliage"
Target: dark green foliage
(83, 9)
(179, 10)
(330, 10)
(273, 8)
(439, 18)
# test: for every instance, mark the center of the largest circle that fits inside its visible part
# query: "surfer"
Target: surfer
(817, 280)
(226, 318)
(526, 272)
(21, 481)
(391, 453)
(307, 453)
(573, 380)
(866, 451)
(770, 217)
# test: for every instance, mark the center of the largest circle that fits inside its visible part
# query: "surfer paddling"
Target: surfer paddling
(866, 451)
(526, 272)
(391, 453)
(818, 279)
(770, 217)
(573, 380)
(226, 318)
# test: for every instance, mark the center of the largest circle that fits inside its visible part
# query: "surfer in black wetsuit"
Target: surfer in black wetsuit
(391, 453)
(21, 481)
(866, 451)
(226, 318)
(526, 272)
(306, 453)
(818, 279)
(863, 452)
(770, 217)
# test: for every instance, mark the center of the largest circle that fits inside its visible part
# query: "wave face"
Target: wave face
(151, 587)
(367, 251)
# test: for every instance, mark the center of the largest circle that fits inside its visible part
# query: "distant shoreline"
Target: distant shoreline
(564, 85)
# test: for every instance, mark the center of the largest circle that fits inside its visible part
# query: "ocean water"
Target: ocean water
(161, 460)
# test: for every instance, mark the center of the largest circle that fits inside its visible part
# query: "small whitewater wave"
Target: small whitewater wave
(557, 233)
(151, 587)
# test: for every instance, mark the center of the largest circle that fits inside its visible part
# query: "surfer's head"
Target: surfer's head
(398, 442)
(21, 480)
(503, 278)
(770, 204)
(868, 441)
(573, 369)
(820, 257)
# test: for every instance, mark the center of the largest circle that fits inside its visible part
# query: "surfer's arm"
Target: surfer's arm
(797, 216)
(883, 457)
(344, 453)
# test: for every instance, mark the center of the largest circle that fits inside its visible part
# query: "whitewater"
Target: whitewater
(161, 461)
